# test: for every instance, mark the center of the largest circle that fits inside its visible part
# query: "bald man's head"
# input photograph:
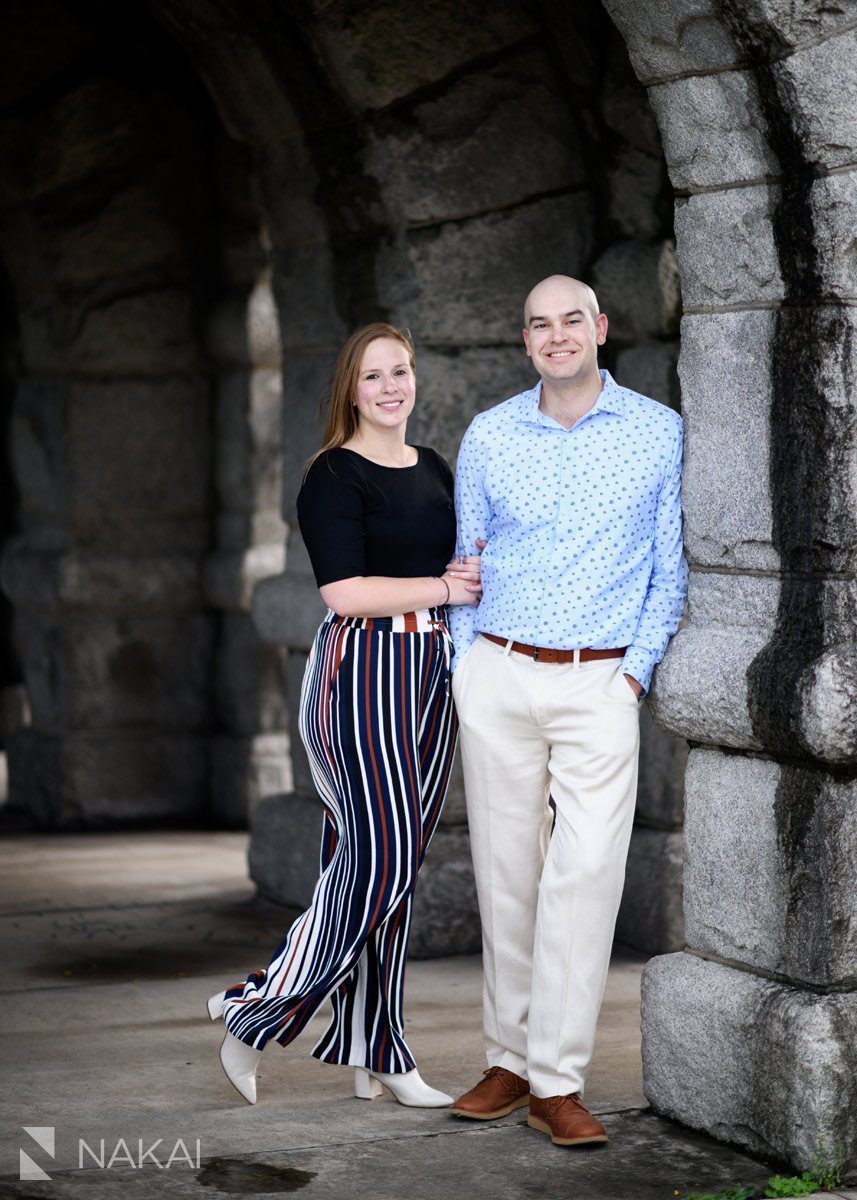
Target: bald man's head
(558, 292)
(563, 330)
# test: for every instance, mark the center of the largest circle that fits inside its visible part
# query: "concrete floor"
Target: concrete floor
(113, 942)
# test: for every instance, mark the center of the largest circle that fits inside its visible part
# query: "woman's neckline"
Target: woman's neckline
(384, 466)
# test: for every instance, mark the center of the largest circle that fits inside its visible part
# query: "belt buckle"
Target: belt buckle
(535, 654)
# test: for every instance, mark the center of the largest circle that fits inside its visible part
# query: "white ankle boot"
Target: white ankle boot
(215, 1006)
(408, 1088)
(240, 1062)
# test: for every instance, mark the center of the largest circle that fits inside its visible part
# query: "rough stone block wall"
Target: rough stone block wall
(650, 915)
(250, 748)
(13, 701)
(109, 439)
(750, 1034)
(144, 436)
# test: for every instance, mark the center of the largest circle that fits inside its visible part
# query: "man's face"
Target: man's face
(562, 332)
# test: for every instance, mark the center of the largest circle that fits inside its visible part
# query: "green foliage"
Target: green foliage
(827, 1165)
(792, 1185)
(826, 1174)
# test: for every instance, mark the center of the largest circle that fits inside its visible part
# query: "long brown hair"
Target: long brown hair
(341, 420)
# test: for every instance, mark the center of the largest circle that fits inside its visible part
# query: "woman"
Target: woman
(378, 724)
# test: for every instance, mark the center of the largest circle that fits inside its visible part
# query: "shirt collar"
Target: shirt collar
(609, 400)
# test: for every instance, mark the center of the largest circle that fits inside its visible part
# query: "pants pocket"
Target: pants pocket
(621, 687)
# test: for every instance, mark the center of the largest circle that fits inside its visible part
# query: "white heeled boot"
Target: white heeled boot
(240, 1062)
(215, 1006)
(408, 1088)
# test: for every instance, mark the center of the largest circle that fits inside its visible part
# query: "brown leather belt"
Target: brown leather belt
(543, 654)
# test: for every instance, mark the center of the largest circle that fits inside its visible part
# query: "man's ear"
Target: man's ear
(601, 328)
(526, 334)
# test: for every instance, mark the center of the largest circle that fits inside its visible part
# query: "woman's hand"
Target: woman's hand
(469, 567)
(460, 590)
(464, 577)
(468, 570)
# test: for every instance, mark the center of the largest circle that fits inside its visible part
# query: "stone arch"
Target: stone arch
(411, 195)
(319, 125)
(755, 136)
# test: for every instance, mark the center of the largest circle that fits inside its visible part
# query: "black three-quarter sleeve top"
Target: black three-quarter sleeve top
(360, 518)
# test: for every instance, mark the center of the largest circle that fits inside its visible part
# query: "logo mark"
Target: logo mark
(43, 1136)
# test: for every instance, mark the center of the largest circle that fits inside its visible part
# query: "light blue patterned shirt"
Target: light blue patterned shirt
(583, 526)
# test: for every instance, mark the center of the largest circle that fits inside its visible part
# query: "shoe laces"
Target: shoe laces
(555, 1103)
(492, 1072)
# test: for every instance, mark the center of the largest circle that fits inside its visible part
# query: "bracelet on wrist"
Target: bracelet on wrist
(446, 585)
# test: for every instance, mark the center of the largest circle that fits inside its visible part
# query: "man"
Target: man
(573, 488)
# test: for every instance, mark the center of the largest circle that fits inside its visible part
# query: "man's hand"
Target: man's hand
(637, 688)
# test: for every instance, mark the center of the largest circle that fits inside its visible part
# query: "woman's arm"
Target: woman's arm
(384, 596)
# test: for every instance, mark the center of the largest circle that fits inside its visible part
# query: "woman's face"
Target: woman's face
(385, 386)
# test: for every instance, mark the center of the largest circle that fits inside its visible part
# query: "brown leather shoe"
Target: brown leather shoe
(499, 1093)
(566, 1120)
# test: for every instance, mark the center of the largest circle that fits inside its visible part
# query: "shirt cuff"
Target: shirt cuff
(639, 664)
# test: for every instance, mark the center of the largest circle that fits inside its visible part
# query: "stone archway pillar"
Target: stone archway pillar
(110, 451)
(751, 1032)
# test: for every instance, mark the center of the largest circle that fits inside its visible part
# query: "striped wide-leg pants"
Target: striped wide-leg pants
(379, 726)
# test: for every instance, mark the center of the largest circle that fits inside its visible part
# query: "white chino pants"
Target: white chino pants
(528, 731)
